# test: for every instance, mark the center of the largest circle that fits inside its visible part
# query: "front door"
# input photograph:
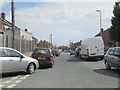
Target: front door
(14, 59)
(115, 57)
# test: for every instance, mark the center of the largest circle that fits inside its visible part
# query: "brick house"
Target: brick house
(106, 37)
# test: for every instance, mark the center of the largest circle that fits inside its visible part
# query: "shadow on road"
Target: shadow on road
(77, 59)
(12, 74)
(112, 73)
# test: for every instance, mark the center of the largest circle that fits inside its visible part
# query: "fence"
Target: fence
(20, 44)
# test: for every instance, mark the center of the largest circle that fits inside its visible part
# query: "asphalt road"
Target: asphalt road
(68, 72)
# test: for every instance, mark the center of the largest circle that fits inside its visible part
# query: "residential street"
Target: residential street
(68, 72)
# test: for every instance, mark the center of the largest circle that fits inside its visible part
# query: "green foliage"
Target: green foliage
(115, 28)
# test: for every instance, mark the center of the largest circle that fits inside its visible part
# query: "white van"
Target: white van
(92, 47)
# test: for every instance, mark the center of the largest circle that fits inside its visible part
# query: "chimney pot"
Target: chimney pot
(3, 15)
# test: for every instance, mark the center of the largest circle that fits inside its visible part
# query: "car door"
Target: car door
(109, 57)
(14, 59)
(115, 58)
(3, 61)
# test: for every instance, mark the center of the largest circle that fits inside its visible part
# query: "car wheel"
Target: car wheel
(86, 58)
(107, 66)
(31, 68)
(51, 65)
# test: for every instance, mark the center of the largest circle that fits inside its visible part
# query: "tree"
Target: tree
(115, 28)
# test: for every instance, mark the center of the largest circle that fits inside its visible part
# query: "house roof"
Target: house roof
(102, 32)
(6, 22)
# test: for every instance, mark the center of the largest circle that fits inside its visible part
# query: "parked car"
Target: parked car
(92, 48)
(12, 60)
(44, 56)
(112, 58)
(72, 52)
(56, 53)
(77, 52)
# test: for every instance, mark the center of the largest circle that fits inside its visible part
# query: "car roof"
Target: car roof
(6, 48)
(113, 47)
(42, 48)
(13, 49)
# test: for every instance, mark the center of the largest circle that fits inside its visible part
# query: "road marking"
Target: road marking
(23, 78)
(15, 77)
(7, 82)
(18, 81)
(27, 75)
(11, 86)
(1, 86)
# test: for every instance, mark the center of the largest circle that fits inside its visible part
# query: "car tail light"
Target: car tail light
(51, 57)
(88, 51)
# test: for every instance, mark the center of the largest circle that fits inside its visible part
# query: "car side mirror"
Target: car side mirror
(21, 57)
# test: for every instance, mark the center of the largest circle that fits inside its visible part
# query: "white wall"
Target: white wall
(26, 35)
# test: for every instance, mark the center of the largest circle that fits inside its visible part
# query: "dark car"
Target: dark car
(44, 56)
(112, 58)
(72, 52)
(55, 53)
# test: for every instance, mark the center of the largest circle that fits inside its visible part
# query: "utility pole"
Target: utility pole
(13, 23)
(51, 40)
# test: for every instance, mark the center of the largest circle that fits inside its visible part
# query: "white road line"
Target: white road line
(27, 75)
(11, 86)
(18, 81)
(23, 78)
(15, 77)
(1, 86)
(7, 82)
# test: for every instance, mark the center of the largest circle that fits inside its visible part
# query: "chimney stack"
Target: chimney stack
(3, 15)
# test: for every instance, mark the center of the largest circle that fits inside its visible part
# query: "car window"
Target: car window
(116, 52)
(12, 53)
(41, 51)
(111, 52)
(2, 53)
(54, 51)
(119, 50)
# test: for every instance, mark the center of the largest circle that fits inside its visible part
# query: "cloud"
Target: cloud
(61, 0)
(2, 4)
(66, 21)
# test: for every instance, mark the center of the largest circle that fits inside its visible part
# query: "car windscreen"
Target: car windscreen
(54, 51)
(41, 51)
(2, 53)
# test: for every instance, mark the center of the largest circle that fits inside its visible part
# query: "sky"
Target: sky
(66, 20)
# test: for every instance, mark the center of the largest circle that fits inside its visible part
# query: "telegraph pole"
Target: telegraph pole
(13, 23)
(51, 40)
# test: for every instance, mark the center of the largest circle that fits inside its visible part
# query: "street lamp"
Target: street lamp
(99, 11)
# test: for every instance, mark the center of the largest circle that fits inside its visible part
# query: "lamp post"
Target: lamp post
(99, 11)
(51, 40)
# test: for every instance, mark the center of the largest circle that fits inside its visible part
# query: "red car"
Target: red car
(44, 57)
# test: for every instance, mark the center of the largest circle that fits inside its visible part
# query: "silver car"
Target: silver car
(12, 60)
(112, 58)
